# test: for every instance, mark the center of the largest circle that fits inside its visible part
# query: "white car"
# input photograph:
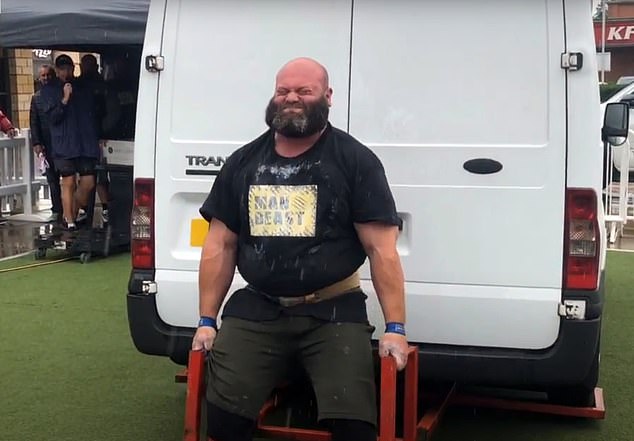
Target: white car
(625, 80)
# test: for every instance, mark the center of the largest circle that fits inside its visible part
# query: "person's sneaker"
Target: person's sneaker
(70, 226)
(81, 216)
(104, 216)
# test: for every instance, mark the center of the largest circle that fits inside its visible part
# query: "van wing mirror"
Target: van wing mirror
(616, 123)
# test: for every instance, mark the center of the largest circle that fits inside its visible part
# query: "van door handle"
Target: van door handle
(482, 166)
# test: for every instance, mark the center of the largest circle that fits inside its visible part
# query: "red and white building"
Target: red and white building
(619, 38)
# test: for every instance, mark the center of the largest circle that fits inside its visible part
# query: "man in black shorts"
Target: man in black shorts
(71, 112)
(298, 210)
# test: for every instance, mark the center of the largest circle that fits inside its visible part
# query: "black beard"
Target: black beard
(313, 119)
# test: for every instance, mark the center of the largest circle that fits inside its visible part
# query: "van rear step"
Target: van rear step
(415, 425)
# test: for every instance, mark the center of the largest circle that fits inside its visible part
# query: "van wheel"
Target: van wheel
(578, 395)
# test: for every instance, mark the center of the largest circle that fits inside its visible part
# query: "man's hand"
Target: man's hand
(68, 91)
(12, 133)
(396, 346)
(204, 338)
(38, 149)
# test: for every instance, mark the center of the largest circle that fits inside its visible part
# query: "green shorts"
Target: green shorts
(249, 359)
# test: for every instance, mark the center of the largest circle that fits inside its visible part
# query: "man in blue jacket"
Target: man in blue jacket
(74, 137)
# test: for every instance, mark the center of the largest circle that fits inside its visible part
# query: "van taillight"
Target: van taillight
(582, 242)
(142, 224)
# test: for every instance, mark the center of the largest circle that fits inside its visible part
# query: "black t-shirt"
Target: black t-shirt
(295, 217)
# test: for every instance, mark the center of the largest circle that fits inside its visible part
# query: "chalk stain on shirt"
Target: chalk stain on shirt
(279, 171)
(346, 350)
(284, 171)
(333, 317)
(301, 274)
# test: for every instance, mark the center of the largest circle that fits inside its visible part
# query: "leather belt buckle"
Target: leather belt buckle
(294, 301)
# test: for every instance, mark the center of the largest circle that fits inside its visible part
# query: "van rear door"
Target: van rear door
(221, 57)
(441, 87)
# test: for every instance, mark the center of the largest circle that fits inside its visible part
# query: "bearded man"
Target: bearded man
(298, 210)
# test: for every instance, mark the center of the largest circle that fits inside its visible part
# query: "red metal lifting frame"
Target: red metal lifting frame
(413, 428)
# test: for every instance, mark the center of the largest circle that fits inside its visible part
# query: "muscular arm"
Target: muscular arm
(217, 267)
(379, 242)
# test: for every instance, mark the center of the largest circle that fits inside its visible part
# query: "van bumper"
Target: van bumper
(151, 335)
(567, 362)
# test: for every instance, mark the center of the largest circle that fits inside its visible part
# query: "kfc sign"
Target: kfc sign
(617, 33)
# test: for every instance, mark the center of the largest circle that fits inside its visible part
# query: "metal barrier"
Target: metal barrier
(19, 181)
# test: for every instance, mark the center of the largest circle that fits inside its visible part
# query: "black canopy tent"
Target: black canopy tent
(68, 24)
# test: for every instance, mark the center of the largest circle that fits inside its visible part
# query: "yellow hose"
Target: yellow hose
(35, 265)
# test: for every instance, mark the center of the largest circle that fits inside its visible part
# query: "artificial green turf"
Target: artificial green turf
(69, 370)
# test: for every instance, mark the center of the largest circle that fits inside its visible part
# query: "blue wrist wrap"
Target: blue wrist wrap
(208, 321)
(395, 328)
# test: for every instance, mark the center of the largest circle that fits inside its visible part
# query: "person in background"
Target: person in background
(41, 141)
(6, 126)
(91, 79)
(71, 111)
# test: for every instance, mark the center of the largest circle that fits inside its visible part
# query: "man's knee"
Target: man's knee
(87, 182)
(227, 426)
(345, 430)
(68, 181)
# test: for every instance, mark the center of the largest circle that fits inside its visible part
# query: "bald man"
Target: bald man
(298, 210)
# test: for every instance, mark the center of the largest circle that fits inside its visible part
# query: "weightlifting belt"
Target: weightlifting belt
(344, 286)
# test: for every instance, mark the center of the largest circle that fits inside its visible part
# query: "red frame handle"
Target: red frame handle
(387, 417)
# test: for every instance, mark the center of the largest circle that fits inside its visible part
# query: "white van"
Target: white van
(486, 117)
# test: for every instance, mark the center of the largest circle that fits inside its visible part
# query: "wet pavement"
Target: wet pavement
(17, 237)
